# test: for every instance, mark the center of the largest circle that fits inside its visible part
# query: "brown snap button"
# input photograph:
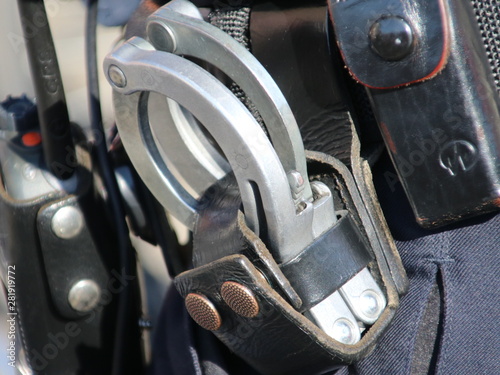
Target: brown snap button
(203, 311)
(240, 299)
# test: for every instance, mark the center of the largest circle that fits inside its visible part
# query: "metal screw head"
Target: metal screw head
(67, 222)
(370, 304)
(391, 38)
(84, 295)
(203, 311)
(343, 331)
(117, 76)
(161, 37)
(240, 299)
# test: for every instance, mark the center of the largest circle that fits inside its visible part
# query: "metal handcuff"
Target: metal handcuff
(160, 98)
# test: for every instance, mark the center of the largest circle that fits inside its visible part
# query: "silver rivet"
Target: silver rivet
(84, 295)
(296, 181)
(161, 37)
(370, 303)
(145, 323)
(343, 331)
(117, 76)
(67, 222)
(29, 172)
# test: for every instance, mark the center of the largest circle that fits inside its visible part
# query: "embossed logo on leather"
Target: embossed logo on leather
(458, 156)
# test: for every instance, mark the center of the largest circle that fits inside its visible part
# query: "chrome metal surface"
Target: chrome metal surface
(116, 76)
(364, 297)
(187, 151)
(67, 222)
(181, 24)
(84, 295)
(334, 317)
(249, 152)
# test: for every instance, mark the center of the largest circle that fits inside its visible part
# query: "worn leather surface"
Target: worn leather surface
(353, 20)
(300, 62)
(443, 135)
(283, 342)
(82, 340)
(279, 340)
(329, 262)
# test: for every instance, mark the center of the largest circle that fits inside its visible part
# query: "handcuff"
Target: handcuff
(184, 130)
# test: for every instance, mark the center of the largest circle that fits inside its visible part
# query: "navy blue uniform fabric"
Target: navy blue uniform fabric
(462, 260)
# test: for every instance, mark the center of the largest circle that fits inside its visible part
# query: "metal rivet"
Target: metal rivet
(84, 295)
(145, 323)
(203, 311)
(117, 76)
(161, 37)
(343, 331)
(240, 299)
(370, 304)
(67, 222)
(391, 38)
(296, 181)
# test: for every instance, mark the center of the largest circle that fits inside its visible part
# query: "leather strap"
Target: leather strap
(353, 22)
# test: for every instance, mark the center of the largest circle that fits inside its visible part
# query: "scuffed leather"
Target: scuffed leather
(332, 260)
(280, 340)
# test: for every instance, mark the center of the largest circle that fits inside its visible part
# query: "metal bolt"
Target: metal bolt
(370, 304)
(84, 295)
(29, 171)
(391, 38)
(343, 331)
(161, 37)
(67, 222)
(117, 76)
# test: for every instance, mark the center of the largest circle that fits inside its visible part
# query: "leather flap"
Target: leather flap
(391, 61)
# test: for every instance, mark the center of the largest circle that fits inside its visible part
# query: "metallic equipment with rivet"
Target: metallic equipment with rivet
(240, 299)
(84, 295)
(67, 222)
(391, 38)
(117, 76)
(271, 172)
(203, 311)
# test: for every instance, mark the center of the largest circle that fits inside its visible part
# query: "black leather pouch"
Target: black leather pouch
(431, 86)
(279, 339)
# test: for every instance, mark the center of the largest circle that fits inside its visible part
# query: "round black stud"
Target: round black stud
(391, 38)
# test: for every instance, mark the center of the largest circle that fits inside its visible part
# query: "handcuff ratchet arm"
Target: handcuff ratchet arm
(180, 29)
(249, 152)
